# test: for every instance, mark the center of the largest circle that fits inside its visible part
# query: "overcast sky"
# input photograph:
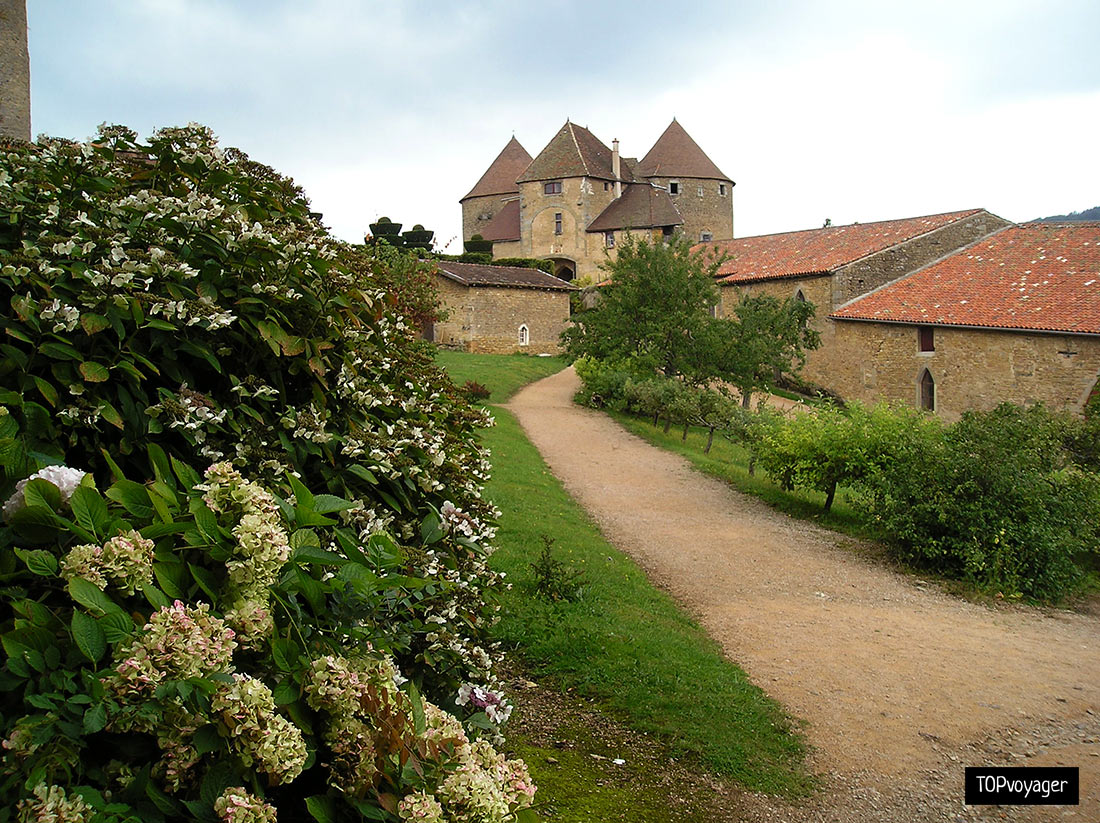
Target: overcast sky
(848, 110)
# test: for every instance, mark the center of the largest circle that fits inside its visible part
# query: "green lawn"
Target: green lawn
(502, 374)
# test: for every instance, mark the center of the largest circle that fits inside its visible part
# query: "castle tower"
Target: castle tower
(15, 71)
(494, 190)
(703, 194)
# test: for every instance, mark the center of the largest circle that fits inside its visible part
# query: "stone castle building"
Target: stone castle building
(15, 71)
(575, 201)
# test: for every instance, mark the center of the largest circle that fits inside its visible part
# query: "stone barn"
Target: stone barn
(831, 266)
(500, 309)
(1014, 317)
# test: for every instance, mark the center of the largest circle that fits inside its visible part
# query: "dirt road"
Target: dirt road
(900, 685)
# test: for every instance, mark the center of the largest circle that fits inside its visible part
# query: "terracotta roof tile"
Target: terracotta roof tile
(500, 177)
(505, 223)
(675, 154)
(1038, 276)
(474, 274)
(642, 206)
(817, 251)
(573, 152)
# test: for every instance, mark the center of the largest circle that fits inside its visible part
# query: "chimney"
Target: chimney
(615, 168)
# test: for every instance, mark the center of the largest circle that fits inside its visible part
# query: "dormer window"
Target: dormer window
(673, 186)
(553, 187)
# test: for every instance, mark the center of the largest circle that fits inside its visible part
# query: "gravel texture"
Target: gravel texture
(900, 685)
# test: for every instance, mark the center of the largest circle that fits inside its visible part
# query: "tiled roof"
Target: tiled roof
(505, 223)
(1038, 276)
(675, 154)
(642, 206)
(500, 177)
(818, 251)
(573, 152)
(473, 274)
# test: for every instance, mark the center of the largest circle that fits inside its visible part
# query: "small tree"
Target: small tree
(766, 338)
(654, 310)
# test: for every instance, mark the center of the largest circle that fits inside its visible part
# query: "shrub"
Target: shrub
(554, 581)
(474, 391)
(176, 294)
(603, 383)
(182, 649)
(994, 499)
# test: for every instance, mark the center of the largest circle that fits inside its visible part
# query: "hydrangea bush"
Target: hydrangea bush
(169, 303)
(187, 650)
(176, 293)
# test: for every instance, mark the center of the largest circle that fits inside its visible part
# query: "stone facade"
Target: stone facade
(488, 318)
(573, 248)
(972, 368)
(15, 71)
(706, 206)
(478, 211)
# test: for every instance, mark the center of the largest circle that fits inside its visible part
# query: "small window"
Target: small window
(800, 297)
(557, 222)
(927, 391)
(700, 191)
(673, 186)
(524, 335)
(609, 239)
(666, 231)
(705, 236)
(721, 189)
(606, 186)
(552, 188)
(925, 338)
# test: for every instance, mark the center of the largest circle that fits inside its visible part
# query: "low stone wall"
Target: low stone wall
(488, 319)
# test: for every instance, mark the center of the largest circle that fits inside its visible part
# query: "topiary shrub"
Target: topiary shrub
(172, 295)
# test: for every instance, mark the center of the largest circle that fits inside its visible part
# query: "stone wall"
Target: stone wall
(582, 199)
(711, 212)
(15, 71)
(862, 276)
(488, 319)
(972, 369)
(478, 211)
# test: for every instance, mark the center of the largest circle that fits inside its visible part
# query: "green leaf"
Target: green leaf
(363, 473)
(303, 498)
(90, 510)
(207, 740)
(93, 323)
(417, 707)
(285, 653)
(171, 576)
(39, 561)
(36, 524)
(206, 520)
(206, 580)
(431, 528)
(111, 415)
(156, 597)
(134, 497)
(95, 719)
(321, 808)
(39, 492)
(187, 475)
(163, 325)
(91, 597)
(308, 517)
(89, 636)
(59, 351)
(94, 372)
(327, 503)
(117, 626)
(315, 554)
(527, 815)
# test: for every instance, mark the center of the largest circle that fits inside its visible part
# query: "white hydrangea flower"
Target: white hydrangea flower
(63, 477)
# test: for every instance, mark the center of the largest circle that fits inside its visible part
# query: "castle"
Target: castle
(574, 202)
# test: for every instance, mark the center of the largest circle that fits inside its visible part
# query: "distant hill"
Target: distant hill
(1072, 217)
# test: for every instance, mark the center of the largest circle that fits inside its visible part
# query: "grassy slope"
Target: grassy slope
(502, 374)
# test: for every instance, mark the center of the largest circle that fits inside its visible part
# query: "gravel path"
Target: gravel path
(899, 684)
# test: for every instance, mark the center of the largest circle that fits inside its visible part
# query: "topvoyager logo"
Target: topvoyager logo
(1023, 785)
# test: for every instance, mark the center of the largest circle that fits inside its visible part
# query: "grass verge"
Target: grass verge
(502, 374)
(624, 642)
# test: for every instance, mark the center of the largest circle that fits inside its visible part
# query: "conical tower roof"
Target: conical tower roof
(573, 152)
(500, 177)
(675, 154)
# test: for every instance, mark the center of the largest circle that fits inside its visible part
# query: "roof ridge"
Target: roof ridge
(577, 146)
(850, 225)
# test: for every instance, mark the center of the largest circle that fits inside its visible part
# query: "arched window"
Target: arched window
(927, 391)
(524, 335)
(799, 296)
